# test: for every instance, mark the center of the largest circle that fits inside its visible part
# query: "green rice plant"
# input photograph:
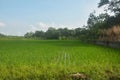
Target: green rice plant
(56, 60)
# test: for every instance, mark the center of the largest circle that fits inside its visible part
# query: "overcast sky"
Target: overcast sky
(20, 16)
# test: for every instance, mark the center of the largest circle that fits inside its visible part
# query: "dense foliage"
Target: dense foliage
(2, 35)
(105, 27)
(96, 28)
(61, 33)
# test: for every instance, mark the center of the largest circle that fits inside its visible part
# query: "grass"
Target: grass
(53, 60)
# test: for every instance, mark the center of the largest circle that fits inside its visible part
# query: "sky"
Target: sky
(20, 16)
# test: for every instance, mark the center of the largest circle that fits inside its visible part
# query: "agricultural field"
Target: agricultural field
(56, 60)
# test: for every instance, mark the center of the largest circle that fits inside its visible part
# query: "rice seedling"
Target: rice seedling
(55, 59)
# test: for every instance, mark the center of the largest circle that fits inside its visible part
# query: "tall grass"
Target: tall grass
(111, 34)
(53, 60)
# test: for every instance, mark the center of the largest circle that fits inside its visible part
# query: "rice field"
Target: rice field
(56, 59)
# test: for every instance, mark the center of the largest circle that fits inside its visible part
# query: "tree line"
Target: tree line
(98, 27)
(104, 27)
(61, 34)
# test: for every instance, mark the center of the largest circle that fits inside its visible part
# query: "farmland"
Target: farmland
(54, 59)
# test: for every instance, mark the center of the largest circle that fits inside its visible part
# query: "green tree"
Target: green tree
(39, 34)
(29, 35)
(92, 20)
(52, 33)
(113, 5)
(2, 35)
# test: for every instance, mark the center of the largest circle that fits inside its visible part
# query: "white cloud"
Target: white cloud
(38, 26)
(2, 24)
(44, 26)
